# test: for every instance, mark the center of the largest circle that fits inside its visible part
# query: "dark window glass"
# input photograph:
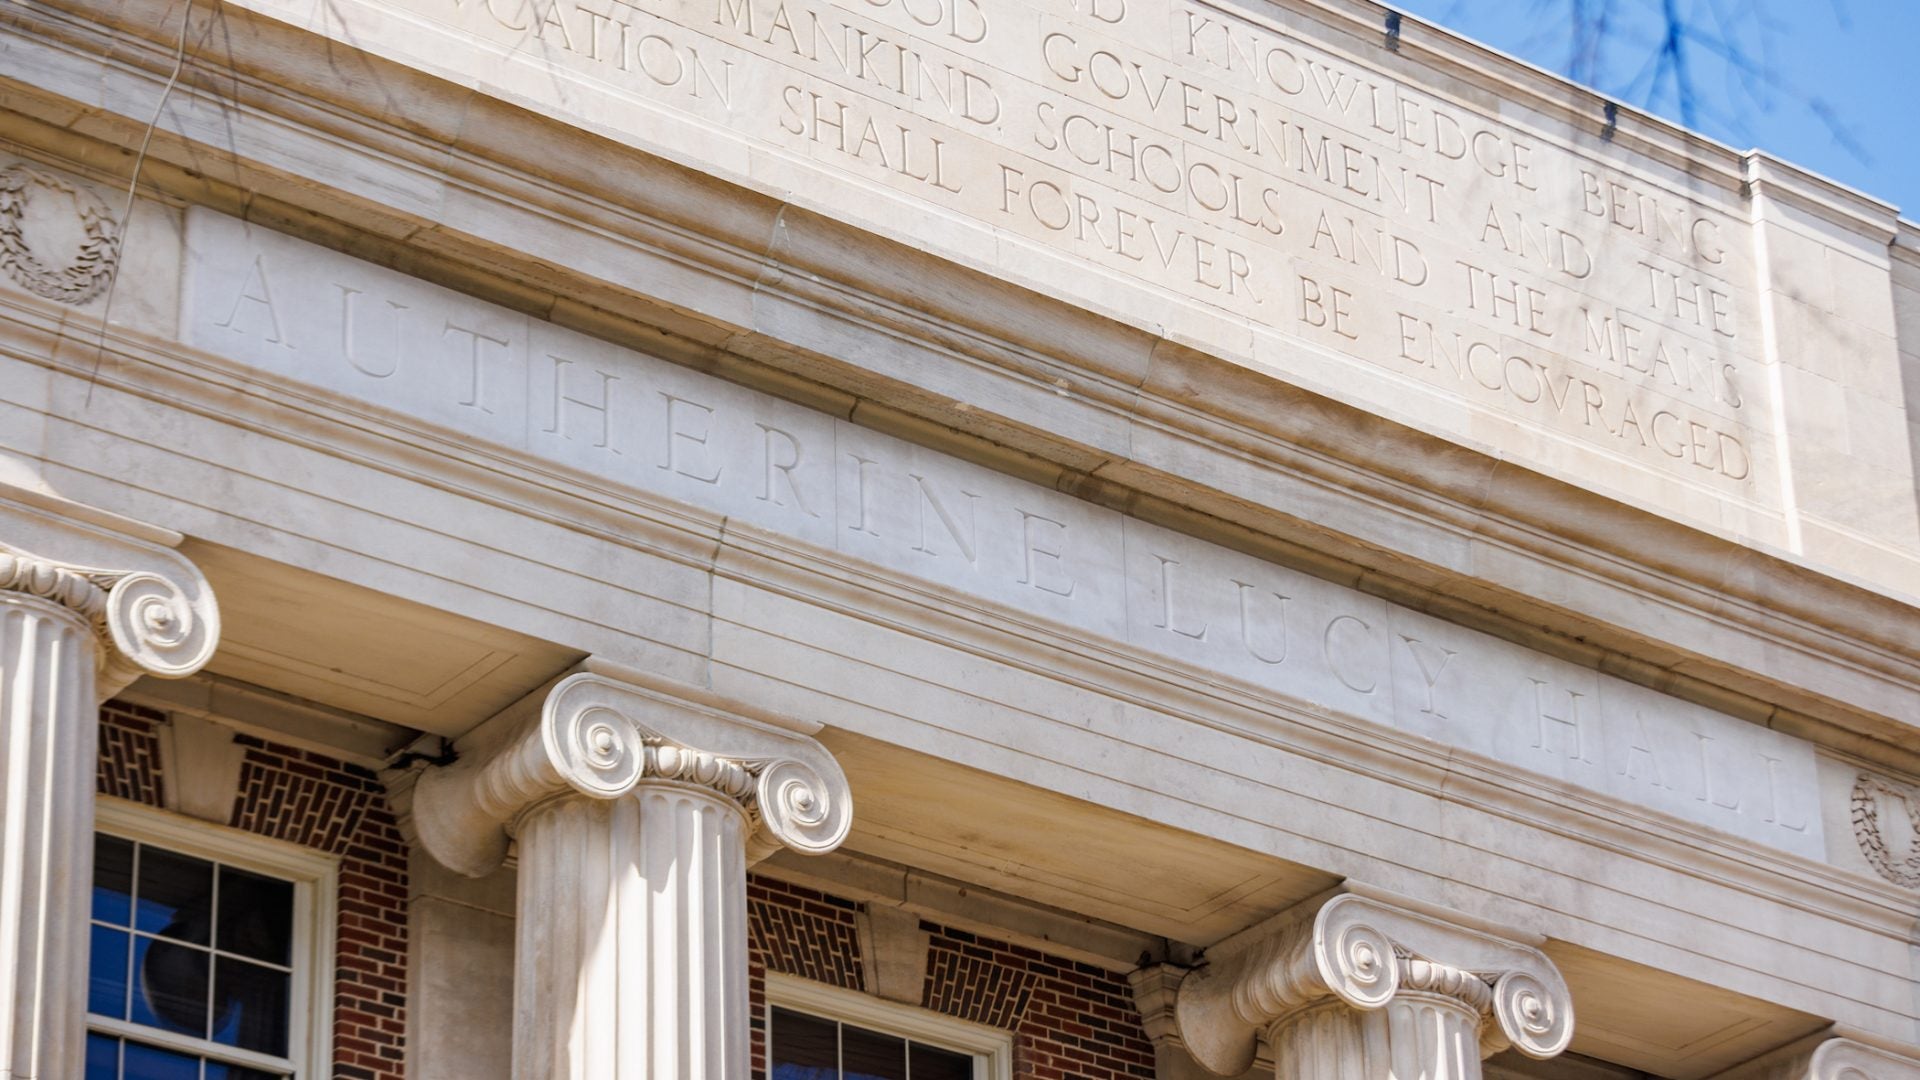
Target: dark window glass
(176, 896)
(171, 973)
(107, 973)
(810, 1048)
(153, 1063)
(804, 1047)
(932, 1064)
(103, 1057)
(869, 1055)
(256, 916)
(218, 1071)
(171, 986)
(112, 880)
(250, 1006)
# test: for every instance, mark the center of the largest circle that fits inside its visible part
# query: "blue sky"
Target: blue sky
(1859, 60)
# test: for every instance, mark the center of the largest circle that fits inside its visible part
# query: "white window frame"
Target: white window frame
(990, 1047)
(316, 889)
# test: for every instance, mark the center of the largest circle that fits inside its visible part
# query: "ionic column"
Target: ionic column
(636, 814)
(1364, 990)
(83, 611)
(1828, 1056)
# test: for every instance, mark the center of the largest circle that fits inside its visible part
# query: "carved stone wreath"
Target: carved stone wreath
(91, 267)
(1867, 791)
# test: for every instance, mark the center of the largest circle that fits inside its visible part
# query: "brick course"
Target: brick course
(1069, 1020)
(318, 802)
(129, 763)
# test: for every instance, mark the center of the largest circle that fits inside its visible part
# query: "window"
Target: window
(203, 946)
(818, 1032)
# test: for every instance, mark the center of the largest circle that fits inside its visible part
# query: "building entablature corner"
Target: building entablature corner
(600, 737)
(1833, 1054)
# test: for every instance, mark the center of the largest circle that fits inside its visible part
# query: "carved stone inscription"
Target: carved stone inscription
(285, 306)
(1269, 190)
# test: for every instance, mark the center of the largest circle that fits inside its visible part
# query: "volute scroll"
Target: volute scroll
(1363, 953)
(601, 738)
(146, 622)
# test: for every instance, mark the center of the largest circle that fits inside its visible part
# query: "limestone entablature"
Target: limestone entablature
(1672, 683)
(1489, 541)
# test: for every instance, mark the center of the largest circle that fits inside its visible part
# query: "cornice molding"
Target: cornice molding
(602, 738)
(1485, 530)
(624, 516)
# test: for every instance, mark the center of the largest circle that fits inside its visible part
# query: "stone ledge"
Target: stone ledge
(1480, 545)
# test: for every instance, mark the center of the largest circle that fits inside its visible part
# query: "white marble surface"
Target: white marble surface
(489, 374)
(636, 815)
(82, 607)
(1363, 990)
(1280, 196)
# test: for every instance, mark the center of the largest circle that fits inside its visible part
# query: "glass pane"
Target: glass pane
(869, 1055)
(932, 1064)
(176, 895)
(103, 1057)
(107, 973)
(172, 986)
(256, 916)
(153, 1063)
(250, 1007)
(218, 1071)
(804, 1047)
(112, 879)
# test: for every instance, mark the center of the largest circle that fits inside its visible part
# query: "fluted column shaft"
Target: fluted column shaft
(636, 813)
(1430, 1037)
(73, 630)
(48, 733)
(1415, 1036)
(632, 937)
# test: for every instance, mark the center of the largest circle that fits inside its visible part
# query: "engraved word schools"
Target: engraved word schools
(1243, 171)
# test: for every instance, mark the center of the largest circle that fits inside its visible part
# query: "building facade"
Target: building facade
(989, 539)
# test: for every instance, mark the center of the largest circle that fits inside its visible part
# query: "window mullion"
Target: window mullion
(133, 935)
(213, 942)
(187, 1044)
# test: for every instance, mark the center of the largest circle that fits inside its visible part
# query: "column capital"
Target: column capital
(1829, 1056)
(150, 609)
(1364, 952)
(602, 737)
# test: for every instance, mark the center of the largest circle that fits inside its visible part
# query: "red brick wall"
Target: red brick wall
(315, 801)
(1070, 1021)
(129, 753)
